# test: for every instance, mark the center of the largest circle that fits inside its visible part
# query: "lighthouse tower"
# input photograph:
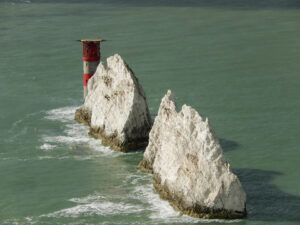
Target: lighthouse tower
(91, 57)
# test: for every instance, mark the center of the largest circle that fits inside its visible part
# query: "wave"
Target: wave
(160, 210)
(95, 205)
(73, 133)
(146, 201)
(64, 114)
(141, 197)
(47, 147)
(25, 220)
(75, 157)
(49, 157)
(97, 208)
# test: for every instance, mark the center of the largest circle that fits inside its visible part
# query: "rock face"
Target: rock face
(116, 107)
(189, 167)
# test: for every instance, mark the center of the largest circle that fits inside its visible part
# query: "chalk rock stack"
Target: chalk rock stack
(116, 107)
(189, 167)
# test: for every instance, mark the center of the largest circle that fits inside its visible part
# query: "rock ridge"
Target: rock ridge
(189, 168)
(116, 107)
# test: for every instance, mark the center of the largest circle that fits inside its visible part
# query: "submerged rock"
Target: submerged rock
(188, 165)
(116, 107)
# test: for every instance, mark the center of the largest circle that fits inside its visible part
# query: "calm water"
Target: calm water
(236, 62)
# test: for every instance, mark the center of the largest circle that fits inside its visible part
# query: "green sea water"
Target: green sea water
(236, 62)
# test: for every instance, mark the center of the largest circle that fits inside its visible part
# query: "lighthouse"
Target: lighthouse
(91, 57)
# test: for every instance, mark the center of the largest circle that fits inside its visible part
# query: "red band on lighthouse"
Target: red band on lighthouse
(91, 51)
(86, 77)
(91, 58)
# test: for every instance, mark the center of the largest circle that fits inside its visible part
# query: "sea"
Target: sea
(236, 62)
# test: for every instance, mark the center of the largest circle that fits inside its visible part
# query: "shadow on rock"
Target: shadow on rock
(265, 201)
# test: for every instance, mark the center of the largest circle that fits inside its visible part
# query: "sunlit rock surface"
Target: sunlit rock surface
(188, 165)
(116, 107)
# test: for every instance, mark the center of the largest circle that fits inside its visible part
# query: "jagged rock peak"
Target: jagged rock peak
(116, 108)
(188, 164)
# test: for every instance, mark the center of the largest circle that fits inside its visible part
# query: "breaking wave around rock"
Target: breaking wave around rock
(73, 134)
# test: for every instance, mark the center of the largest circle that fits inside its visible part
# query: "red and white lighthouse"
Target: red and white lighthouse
(91, 57)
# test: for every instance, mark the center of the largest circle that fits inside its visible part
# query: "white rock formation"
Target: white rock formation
(116, 107)
(188, 165)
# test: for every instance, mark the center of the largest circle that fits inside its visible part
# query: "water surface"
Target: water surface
(235, 62)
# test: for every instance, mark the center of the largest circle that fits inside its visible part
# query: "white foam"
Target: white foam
(25, 220)
(87, 199)
(29, 220)
(149, 202)
(85, 157)
(45, 157)
(75, 157)
(161, 211)
(64, 114)
(47, 147)
(73, 133)
(11, 221)
(159, 208)
(65, 139)
(95, 205)
(136, 178)
(103, 208)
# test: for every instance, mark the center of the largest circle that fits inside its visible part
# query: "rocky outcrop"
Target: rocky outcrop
(188, 165)
(116, 107)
